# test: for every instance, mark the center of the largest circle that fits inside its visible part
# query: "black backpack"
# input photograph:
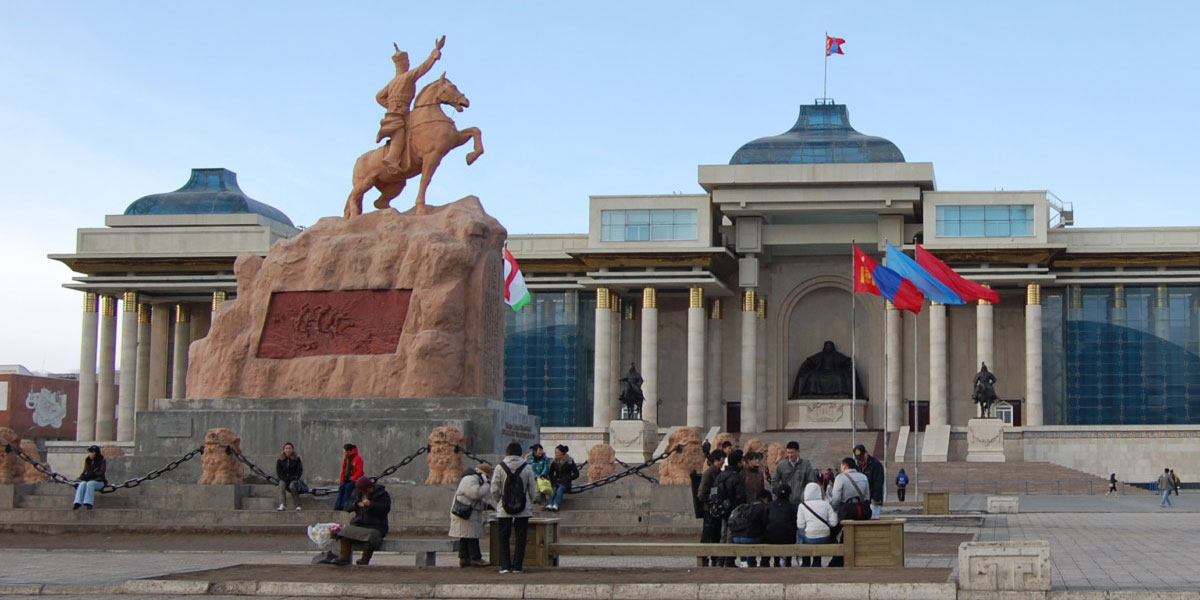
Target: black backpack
(720, 502)
(513, 498)
(739, 519)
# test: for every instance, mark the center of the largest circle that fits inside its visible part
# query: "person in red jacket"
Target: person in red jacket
(352, 470)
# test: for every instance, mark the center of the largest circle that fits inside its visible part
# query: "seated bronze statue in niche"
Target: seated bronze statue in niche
(827, 374)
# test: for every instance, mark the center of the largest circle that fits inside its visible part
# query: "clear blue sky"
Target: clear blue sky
(102, 103)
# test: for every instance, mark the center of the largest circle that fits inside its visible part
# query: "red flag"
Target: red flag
(967, 289)
(873, 278)
(833, 45)
(864, 270)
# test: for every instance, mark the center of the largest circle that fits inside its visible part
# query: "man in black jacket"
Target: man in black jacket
(731, 492)
(710, 532)
(873, 469)
(371, 505)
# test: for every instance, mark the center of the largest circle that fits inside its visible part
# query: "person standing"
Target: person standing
(792, 470)
(1174, 482)
(873, 469)
(849, 486)
(781, 523)
(472, 489)
(91, 479)
(751, 528)
(710, 531)
(731, 493)
(289, 468)
(816, 522)
(371, 505)
(901, 485)
(562, 472)
(513, 491)
(753, 475)
(1164, 486)
(1112, 484)
(352, 471)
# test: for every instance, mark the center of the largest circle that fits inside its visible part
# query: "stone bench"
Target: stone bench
(426, 549)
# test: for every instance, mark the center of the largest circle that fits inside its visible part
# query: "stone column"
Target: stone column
(183, 328)
(128, 389)
(85, 420)
(160, 349)
(760, 385)
(650, 354)
(894, 332)
(614, 363)
(939, 412)
(141, 395)
(201, 316)
(749, 376)
(714, 409)
(1033, 355)
(601, 384)
(695, 357)
(628, 322)
(105, 400)
(218, 298)
(984, 338)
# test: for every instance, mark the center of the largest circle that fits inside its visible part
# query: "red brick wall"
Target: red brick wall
(19, 418)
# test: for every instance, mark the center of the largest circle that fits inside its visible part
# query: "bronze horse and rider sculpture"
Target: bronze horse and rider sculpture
(418, 138)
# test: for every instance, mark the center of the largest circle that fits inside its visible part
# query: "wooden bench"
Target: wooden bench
(425, 548)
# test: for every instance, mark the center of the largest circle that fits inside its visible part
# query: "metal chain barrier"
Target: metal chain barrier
(638, 473)
(323, 491)
(108, 488)
(637, 470)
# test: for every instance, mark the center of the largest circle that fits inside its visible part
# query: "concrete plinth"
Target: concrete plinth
(935, 443)
(985, 440)
(1019, 566)
(832, 413)
(1004, 504)
(633, 441)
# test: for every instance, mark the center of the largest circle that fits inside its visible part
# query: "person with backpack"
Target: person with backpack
(850, 497)
(470, 497)
(876, 479)
(816, 522)
(514, 489)
(562, 472)
(748, 525)
(710, 531)
(781, 522)
(728, 493)
(901, 485)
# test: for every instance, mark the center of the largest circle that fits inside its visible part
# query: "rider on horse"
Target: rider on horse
(397, 98)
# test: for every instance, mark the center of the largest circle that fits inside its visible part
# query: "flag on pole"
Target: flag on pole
(833, 45)
(967, 289)
(927, 283)
(516, 294)
(870, 277)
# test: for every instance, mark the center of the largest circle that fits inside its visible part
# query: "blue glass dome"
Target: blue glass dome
(208, 192)
(822, 134)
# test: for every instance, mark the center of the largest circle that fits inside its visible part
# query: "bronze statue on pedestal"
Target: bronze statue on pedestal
(984, 393)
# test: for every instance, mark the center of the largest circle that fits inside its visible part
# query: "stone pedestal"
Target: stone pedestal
(1019, 566)
(820, 413)
(633, 441)
(985, 440)
(1004, 504)
(935, 443)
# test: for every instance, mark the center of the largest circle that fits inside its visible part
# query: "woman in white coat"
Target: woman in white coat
(816, 522)
(473, 489)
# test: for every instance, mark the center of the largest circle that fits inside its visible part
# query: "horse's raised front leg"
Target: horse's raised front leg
(467, 134)
(355, 200)
(387, 193)
(428, 166)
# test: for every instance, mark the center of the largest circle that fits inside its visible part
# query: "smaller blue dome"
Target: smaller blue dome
(822, 134)
(208, 192)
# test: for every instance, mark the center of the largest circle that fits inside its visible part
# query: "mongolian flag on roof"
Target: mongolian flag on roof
(833, 45)
(966, 289)
(870, 277)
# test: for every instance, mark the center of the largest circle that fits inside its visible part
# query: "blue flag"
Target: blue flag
(927, 283)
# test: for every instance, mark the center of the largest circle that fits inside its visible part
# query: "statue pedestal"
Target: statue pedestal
(633, 441)
(985, 440)
(822, 413)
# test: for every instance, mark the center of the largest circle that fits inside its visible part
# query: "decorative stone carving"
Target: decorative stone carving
(985, 440)
(320, 298)
(220, 466)
(33, 475)
(827, 413)
(633, 441)
(601, 461)
(1004, 504)
(12, 468)
(444, 459)
(678, 467)
(1015, 566)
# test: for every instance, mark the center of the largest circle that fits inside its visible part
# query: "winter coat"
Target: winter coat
(540, 466)
(796, 476)
(374, 516)
(731, 486)
(563, 473)
(707, 481)
(354, 462)
(756, 525)
(902, 480)
(846, 487)
(473, 489)
(289, 469)
(873, 469)
(94, 471)
(529, 481)
(806, 521)
(781, 522)
(756, 481)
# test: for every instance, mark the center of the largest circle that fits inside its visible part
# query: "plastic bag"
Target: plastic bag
(544, 486)
(323, 534)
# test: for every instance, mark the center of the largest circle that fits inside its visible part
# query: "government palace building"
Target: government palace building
(718, 298)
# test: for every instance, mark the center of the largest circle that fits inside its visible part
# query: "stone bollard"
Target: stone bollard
(601, 461)
(444, 459)
(1004, 504)
(985, 568)
(677, 469)
(33, 475)
(220, 466)
(12, 468)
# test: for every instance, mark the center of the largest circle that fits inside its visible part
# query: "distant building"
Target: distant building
(37, 406)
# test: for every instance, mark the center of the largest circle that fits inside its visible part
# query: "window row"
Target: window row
(645, 225)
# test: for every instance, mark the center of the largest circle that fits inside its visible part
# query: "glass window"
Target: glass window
(642, 225)
(985, 221)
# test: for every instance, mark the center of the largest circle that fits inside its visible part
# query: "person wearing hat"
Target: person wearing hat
(873, 469)
(473, 488)
(91, 479)
(371, 505)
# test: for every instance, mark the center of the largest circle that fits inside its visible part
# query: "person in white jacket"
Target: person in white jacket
(815, 522)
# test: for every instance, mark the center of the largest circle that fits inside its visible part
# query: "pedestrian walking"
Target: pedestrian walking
(1174, 482)
(1112, 484)
(901, 485)
(1164, 486)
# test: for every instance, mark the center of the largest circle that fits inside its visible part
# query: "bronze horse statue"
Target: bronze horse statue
(430, 134)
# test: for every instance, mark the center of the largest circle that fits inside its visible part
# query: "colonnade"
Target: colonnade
(107, 412)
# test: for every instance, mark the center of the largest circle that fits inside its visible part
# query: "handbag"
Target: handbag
(461, 510)
(544, 487)
(300, 487)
